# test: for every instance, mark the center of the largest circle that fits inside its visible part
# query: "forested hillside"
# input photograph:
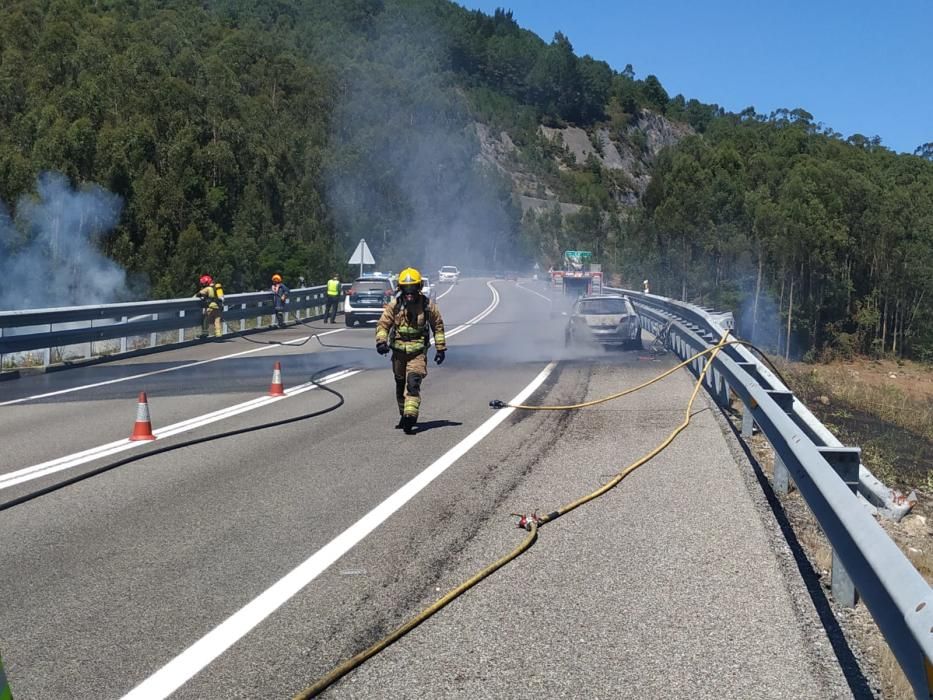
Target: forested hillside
(801, 231)
(242, 137)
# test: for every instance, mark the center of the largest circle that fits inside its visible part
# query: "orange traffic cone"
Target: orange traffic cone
(142, 428)
(277, 388)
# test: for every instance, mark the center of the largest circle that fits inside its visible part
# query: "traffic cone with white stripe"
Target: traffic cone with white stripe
(142, 429)
(5, 692)
(277, 388)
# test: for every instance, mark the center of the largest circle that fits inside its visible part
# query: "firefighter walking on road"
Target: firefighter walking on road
(405, 328)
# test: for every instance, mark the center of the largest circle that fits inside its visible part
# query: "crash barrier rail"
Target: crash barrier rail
(81, 332)
(866, 562)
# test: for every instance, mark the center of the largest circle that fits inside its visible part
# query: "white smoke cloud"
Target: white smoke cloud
(407, 178)
(48, 251)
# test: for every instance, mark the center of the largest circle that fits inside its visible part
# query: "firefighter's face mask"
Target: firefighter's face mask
(409, 292)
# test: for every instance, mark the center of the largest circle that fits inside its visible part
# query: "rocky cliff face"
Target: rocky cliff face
(632, 155)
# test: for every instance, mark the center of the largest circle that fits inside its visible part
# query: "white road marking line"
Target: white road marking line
(195, 658)
(37, 471)
(449, 290)
(534, 292)
(158, 371)
(481, 315)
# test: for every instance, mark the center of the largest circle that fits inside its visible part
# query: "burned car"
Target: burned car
(605, 319)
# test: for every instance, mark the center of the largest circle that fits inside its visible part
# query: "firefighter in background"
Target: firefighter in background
(280, 292)
(405, 328)
(211, 295)
(333, 298)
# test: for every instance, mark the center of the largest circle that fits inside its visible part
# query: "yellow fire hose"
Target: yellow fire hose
(530, 523)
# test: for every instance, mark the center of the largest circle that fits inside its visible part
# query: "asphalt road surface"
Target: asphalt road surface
(249, 566)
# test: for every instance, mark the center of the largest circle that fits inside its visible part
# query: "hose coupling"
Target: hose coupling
(497, 404)
(525, 521)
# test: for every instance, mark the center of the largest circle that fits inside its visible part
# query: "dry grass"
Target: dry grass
(897, 393)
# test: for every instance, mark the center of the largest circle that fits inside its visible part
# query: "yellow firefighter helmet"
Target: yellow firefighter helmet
(409, 276)
(409, 281)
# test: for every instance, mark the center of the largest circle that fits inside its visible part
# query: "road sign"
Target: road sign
(361, 256)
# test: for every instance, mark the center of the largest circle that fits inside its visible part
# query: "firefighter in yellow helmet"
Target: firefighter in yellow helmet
(405, 328)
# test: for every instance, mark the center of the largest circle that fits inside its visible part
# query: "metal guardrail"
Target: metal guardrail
(865, 559)
(81, 332)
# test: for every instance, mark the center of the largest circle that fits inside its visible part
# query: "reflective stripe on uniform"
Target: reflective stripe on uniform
(5, 692)
(411, 347)
(411, 406)
(409, 339)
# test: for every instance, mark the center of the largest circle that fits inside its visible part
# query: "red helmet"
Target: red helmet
(206, 280)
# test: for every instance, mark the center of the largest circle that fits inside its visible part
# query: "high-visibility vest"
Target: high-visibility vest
(5, 692)
(333, 288)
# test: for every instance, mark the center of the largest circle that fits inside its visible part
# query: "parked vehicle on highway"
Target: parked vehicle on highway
(448, 273)
(365, 300)
(606, 319)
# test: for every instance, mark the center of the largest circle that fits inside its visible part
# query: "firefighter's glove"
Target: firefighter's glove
(382, 348)
(439, 356)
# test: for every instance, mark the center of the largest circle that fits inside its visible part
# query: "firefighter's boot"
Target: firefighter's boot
(408, 424)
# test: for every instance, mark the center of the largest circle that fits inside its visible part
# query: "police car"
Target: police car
(365, 299)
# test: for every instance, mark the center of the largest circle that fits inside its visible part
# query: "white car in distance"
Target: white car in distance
(448, 273)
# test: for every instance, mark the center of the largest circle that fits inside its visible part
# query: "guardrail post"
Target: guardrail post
(751, 369)
(152, 336)
(845, 462)
(748, 421)
(123, 320)
(722, 390)
(47, 353)
(841, 585)
(181, 329)
(780, 477)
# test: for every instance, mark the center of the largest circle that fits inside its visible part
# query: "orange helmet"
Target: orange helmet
(276, 278)
(206, 280)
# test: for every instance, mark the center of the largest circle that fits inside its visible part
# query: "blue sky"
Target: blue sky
(857, 66)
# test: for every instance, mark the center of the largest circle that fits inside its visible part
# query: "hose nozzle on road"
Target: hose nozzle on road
(525, 521)
(497, 404)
